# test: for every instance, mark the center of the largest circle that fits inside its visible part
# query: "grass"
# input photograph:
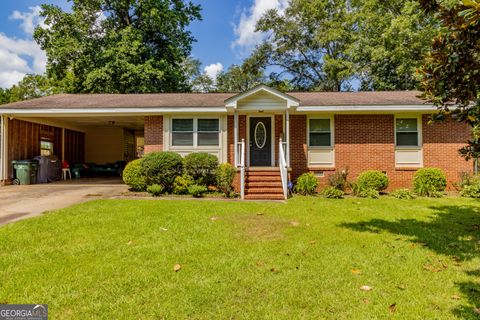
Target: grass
(307, 259)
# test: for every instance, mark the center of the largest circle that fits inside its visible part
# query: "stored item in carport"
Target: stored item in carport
(50, 169)
(25, 171)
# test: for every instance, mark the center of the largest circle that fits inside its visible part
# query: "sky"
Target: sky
(225, 36)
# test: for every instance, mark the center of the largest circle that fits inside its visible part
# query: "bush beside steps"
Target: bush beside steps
(167, 172)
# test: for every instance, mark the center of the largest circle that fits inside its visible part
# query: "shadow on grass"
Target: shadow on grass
(452, 231)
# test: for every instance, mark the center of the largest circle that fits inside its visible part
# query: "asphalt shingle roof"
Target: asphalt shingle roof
(79, 101)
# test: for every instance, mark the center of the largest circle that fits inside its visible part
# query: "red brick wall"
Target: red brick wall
(242, 134)
(364, 142)
(441, 142)
(153, 133)
(298, 145)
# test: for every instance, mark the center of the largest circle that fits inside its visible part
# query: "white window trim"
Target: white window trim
(332, 132)
(195, 145)
(419, 145)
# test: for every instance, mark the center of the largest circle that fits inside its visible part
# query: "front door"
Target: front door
(261, 142)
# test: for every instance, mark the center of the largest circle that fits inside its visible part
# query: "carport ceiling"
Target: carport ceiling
(127, 122)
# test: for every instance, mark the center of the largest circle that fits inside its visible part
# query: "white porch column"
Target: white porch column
(235, 137)
(287, 136)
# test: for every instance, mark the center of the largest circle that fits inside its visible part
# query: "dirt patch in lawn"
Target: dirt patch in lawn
(258, 227)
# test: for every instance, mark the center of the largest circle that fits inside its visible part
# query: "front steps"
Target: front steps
(263, 184)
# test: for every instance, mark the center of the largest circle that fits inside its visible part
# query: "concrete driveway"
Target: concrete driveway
(21, 202)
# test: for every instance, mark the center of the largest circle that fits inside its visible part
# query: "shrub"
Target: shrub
(162, 168)
(225, 175)
(332, 193)
(155, 190)
(368, 193)
(202, 167)
(471, 191)
(403, 194)
(197, 191)
(372, 179)
(307, 184)
(181, 184)
(133, 176)
(429, 182)
(467, 179)
(339, 180)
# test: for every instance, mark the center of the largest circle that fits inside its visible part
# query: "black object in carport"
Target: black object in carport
(49, 169)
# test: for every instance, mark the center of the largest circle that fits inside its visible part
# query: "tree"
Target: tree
(308, 42)
(30, 87)
(324, 45)
(4, 96)
(119, 46)
(450, 75)
(238, 79)
(198, 81)
(390, 39)
(33, 86)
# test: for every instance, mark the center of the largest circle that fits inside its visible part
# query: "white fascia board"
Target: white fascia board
(395, 108)
(112, 111)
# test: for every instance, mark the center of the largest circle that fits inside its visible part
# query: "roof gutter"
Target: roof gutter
(369, 108)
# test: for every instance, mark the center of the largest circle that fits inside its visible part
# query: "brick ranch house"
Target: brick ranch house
(272, 137)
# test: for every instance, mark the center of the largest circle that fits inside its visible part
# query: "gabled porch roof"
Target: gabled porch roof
(288, 99)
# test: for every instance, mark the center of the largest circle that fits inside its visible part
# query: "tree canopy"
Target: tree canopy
(450, 76)
(31, 86)
(119, 46)
(325, 45)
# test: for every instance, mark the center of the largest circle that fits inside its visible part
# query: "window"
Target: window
(206, 132)
(319, 133)
(407, 132)
(46, 148)
(182, 132)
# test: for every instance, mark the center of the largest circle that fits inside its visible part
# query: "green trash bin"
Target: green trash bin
(25, 171)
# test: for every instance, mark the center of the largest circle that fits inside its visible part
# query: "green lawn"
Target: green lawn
(306, 259)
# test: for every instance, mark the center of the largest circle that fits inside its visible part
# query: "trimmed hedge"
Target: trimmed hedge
(162, 168)
(372, 179)
(133, 176)
(202, 167)
(429, 182)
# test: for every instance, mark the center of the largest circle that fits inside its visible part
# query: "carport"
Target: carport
(77, 137)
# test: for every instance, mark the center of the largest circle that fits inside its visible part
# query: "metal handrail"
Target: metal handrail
(283, 167)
